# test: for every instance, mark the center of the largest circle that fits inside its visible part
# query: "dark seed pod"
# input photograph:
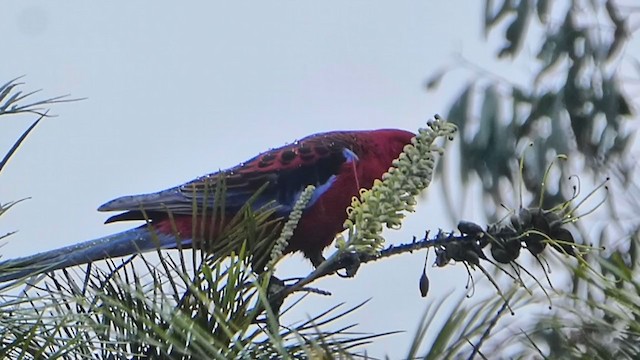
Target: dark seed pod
(500, 255)
(553, 219)
(505, 251)
(471, 257)
(515, 222)
(524, 215)
(480, 252)
(539, 221)
(463, 253)
(442, 259)
(470, 228)
(424, 284)
(564, 235)
(453, 249)
(535, 243)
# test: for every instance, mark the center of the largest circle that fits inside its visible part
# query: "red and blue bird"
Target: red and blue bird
(337, 163)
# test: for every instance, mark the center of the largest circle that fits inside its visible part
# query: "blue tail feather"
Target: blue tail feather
(125, 243)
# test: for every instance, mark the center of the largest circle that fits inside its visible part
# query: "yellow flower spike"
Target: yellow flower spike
(289, 227)
(384, 205)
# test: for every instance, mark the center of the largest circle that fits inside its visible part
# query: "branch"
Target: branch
(531, 229)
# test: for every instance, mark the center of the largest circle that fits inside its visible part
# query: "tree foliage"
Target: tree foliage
(576, 103)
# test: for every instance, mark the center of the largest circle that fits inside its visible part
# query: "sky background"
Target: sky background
(176, 91)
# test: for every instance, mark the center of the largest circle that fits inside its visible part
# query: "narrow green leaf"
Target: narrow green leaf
(16, 145)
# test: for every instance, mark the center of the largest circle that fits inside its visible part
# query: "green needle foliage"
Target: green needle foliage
(172, 304)
(28, 330)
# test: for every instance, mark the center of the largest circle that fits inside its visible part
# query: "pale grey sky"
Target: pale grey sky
(176, 90)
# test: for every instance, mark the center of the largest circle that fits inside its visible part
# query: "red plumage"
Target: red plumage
(355, 158)
(338, 163)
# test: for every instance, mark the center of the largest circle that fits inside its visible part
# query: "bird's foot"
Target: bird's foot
(350, 262)
(316, 259)
(275, 295)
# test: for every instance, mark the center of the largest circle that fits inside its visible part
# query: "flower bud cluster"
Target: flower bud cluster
(386, 203)
(291, 224)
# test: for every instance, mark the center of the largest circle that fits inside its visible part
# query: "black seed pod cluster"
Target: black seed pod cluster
(531, 229)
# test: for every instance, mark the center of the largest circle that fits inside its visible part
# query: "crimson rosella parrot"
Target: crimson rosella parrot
(337, 163)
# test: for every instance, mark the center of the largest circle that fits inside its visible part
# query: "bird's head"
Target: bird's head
(389, 143)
